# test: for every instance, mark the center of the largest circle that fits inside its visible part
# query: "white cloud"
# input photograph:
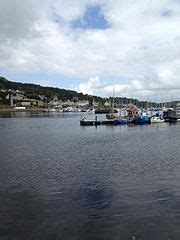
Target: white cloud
(69, 10)
(141, 47)
(95, 86)
(135, 89)
(90, 86)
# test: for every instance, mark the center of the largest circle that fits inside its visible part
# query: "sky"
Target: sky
(94, 46)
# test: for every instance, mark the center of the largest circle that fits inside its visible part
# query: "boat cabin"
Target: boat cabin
(132, 112)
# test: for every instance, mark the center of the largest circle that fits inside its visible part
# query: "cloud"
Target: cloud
(17, 18)
(140, 48)
(134, 89)
(89, 87)
(95, 86)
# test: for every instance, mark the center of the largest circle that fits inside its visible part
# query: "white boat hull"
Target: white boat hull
(156, 120)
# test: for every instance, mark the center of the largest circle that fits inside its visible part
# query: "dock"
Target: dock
(96, 122)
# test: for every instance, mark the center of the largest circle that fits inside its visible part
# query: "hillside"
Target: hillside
(33, 91)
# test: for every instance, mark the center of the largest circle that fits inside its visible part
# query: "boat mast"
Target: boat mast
(113, 101)
(93, 104)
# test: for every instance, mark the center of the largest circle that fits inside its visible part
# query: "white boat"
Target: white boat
(47, 110)
(90, 110)
(68, 109)
(156, 119)
(52, 110)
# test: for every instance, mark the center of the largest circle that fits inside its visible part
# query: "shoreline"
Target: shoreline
(21, 110)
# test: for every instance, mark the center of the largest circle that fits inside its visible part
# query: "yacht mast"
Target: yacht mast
(113, 101)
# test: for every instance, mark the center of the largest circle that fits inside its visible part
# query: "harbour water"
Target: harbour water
(59, 180)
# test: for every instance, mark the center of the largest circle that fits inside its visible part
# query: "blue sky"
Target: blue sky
(44, 79)
(91, 19)
(93, 46)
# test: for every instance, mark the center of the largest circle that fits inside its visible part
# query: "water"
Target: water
(59, 180)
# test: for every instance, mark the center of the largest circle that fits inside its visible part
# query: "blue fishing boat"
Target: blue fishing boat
(140, 120)
(123, 121)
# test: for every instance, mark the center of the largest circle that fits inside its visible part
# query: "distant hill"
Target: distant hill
(33, 91)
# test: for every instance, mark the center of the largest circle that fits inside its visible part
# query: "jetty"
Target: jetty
(85, 122)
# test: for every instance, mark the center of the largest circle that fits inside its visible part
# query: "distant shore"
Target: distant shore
(21, 110)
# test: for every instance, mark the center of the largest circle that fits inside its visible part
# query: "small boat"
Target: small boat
(90, 110)
(48, 110)
(45, 110)
(68, 109)
(156, 119)
(52, 110)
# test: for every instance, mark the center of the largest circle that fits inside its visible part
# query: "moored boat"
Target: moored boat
(68, 109)
(140, 120)
(156, 119)
(172, 115)
(123, 121)
(49, 110)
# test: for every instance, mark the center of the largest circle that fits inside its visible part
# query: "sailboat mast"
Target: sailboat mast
(113, 101)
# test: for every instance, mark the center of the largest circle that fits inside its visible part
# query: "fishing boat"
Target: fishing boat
(123, 121)
(140, 120)
(156, 119)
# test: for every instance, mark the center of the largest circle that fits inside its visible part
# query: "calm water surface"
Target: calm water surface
(59, 180)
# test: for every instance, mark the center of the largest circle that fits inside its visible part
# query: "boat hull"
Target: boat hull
(173, 119)
(156, 120)
(140, 120)
(123, 121)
